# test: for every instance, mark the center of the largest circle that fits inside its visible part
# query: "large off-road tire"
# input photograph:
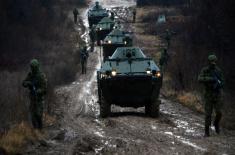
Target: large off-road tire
(105, 108)
(147, 110)
(153, 109)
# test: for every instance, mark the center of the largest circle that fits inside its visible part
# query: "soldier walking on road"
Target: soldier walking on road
(92, 34)
(84, 56)
(134, 15)
(75, 15)
(212, 78)
(37, 84)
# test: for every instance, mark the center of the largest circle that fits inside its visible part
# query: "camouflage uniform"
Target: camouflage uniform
(134, 15)
(92, 34)
(84, 56)
(213, 80)
(36, 82)
(168, 35)
(168, 38)
(75, 15)
(164, 59)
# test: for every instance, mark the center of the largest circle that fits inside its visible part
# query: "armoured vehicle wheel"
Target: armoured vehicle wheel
(147, 110)
(153, 109)
(105, 108)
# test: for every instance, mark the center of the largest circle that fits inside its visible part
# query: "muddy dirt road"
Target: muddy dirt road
(81, 131)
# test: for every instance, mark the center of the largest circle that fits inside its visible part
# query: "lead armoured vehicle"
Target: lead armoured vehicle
(103, 28)
(129, 79)
(117, 38)
(96, 13)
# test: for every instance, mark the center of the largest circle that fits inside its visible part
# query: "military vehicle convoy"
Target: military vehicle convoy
(103, 28)
(129, 79)
(96, 13)
(116, 38)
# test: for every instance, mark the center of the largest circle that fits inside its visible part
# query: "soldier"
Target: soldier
(112, 16)
(97, 6)
(212, 78)
(75, 15)
(84, 56)
(134, 15)
(37, 84)
(92, 34)
(168, 36)
(164, 59)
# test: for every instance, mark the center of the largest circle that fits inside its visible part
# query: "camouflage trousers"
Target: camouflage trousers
(84, 65)
(75, 18)
(36, 112)
(212, 102)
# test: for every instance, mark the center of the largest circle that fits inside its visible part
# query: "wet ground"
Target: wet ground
(178, 130)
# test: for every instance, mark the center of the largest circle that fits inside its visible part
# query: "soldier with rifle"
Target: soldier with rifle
(84, 56)
(168, 35)
(134, 15)
(163, 59)
(212, 79)
(37, 84)
(75, 15)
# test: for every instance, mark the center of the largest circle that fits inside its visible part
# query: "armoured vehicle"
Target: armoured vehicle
(116, 38)
(96, 13)
(129, 79)
(103, 28)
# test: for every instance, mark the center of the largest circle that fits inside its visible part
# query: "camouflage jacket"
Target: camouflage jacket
(36, 83)
(212, 78)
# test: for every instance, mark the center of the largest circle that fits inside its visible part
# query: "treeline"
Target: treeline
(160, 2)
(34, 29)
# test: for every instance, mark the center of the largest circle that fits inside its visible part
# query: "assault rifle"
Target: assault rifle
(218, 81)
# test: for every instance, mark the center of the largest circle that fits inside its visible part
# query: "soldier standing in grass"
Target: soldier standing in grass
(84, 56)
(37, 84)
(75, 15)
(164, 59)
(212, 78)
(168, 35)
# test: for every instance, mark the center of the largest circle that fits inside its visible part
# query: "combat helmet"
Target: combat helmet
(212, 57)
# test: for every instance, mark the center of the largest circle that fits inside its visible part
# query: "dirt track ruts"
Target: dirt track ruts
(178, 130)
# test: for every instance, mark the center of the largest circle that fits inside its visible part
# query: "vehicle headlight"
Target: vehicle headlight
(114, 73)
(103, 75)
(158, 74)
(109, 41)
(125, 42)
(100, 29)
(148, 71)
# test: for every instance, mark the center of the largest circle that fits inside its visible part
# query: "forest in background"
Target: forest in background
(34, 29)
(203, 27)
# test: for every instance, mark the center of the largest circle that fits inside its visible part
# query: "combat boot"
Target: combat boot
(217, 128)
(207, 131)
(216, 123)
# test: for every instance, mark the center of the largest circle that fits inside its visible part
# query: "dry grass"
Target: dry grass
(48, 120)
(191, 100)
(16, 138)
